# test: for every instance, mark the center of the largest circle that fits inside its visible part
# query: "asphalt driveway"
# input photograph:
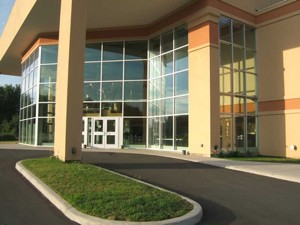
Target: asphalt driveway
(20, 202)
(227, 197)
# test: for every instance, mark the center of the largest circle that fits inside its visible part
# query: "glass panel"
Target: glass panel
(135, 108)
(135, 90)
(251, 106)
(167, 106)
(112, 71)
(238, 58)
(251, 84)
(238, 33)
(111, 109)
(181, 36)
(49, 54)
(134, 133)
(98, 126)
(111, 126)
(93, 52)
(251, 130)
(225, 80)
(153, 133)
(167, 132)
(225, 104)
(154, 46)
(154, 68)
(250, 37)
(239, 132)
(46, 131)
(35, 76)
(226, 133)
(110, 139)
(135, 70)
(91, 92)
(182, 131)
(238, 105)
(92, 71)
(98, 139)
(91, 109)
(167, 41)
(154, 108)
(155, 89)
(47, 92)
(225, 29)
(111, 91)
(48, 73)
(226, 54)
(238, 83)
(250, 61)
(167, 86)
(181, 83)
(181, 105)
(33, 110)
(136, 50)
(47, 110)
(113, 51)
(167, 63)
(181, 59)
(33, 132)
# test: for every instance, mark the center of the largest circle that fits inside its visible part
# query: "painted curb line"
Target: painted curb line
(191, 218)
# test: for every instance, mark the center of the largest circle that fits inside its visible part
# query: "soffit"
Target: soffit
(44, 18)
(258, 7)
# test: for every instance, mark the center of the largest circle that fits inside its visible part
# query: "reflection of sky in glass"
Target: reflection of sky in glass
(181, 105)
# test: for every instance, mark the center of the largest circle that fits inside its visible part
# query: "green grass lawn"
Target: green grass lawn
(99, 193)
(265, 159)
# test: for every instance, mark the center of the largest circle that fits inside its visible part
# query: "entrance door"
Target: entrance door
(105, 132)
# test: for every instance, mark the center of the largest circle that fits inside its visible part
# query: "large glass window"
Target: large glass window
(168, 78)
(237, 86)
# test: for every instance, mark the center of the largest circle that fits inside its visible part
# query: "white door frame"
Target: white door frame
(106, 135)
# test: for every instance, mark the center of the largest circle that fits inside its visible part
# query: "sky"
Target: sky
(5, 8)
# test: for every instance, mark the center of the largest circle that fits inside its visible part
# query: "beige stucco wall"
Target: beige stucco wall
(204, 127)
(278, 55)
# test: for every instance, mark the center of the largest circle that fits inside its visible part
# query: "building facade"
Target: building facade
(203, 76)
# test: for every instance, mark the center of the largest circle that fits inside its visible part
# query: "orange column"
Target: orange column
(203, 88)
(69, 86)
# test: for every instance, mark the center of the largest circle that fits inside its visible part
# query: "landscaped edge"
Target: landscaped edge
(191, 218)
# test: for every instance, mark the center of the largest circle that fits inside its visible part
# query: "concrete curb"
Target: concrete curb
(190, 218)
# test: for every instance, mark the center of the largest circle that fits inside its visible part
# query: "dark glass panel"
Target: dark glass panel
(135, 109)
(92, 71)
(93, 52)
(112, 71)
(136, 50)
(48, 74)
(135, 90)
(49, 54)
(135, 70)
(113, 51)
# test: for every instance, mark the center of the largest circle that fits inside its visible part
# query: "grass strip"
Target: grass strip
(265, 159)
(99, 193)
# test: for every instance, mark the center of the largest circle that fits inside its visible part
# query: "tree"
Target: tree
(9, 109)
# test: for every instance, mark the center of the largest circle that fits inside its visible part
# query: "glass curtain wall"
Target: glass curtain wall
(28, 100)
(238, 101)
(115, 85)
(168, 90)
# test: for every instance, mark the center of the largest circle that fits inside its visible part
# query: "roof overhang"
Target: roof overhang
(29, 18)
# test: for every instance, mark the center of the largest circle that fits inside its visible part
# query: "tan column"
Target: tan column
(204, 128)
(69, 86)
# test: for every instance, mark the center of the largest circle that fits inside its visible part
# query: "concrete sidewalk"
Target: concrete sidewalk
(283, 171)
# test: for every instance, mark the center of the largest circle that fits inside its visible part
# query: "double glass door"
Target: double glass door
(101, 132)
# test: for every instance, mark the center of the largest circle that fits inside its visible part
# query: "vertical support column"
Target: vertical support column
(69, 86)
(204, 128)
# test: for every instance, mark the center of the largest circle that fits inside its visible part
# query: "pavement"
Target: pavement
(283, 171)
(227, 196)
